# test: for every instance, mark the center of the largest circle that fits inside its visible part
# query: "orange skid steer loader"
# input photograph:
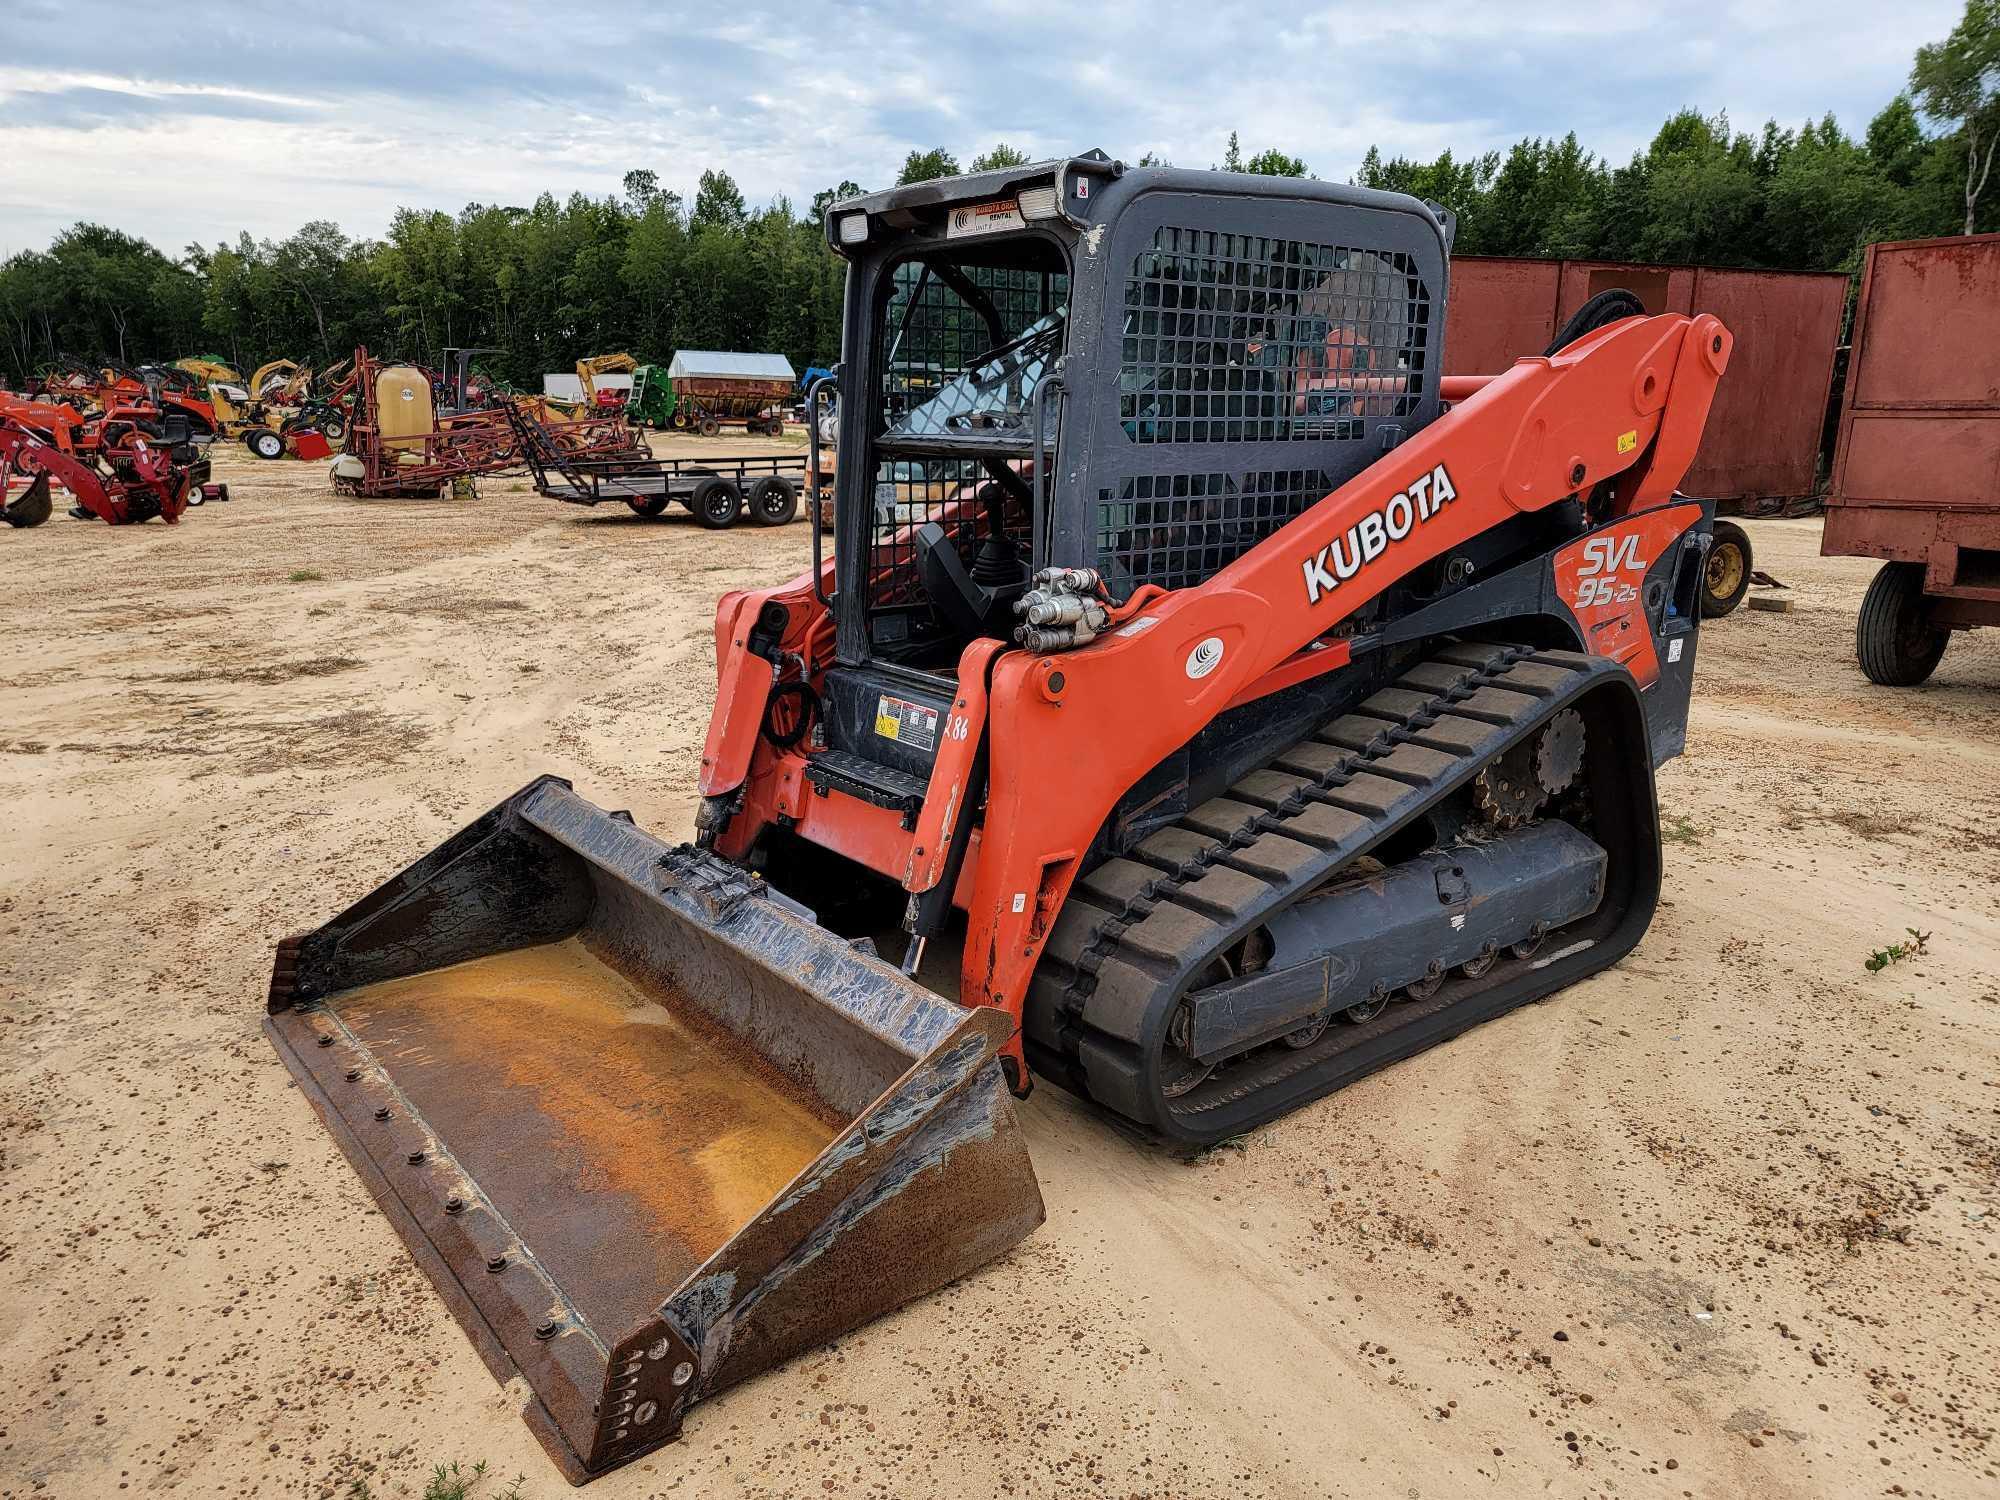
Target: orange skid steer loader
(1204, 703)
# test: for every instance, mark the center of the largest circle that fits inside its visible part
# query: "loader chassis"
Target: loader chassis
(1209, 697)
(1223, 397)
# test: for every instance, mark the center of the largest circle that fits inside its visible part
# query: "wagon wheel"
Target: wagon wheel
(710, 427)
(774, 502)
(718, 503)
(647, 505)
(1726, 577)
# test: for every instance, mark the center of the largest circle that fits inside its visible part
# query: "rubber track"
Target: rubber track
(1138, 931)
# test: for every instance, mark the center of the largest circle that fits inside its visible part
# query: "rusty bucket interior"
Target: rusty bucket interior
(648, 1128)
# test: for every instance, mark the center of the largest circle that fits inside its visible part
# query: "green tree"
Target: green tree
(1002, 155)
(825, 198)
(1958, 80)
(1702, 194)
(1826, 198)
(718, 203)
(1896, 141)
(923, 166)
(1275, 163)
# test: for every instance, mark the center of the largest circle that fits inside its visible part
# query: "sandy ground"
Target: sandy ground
(1721, 1221)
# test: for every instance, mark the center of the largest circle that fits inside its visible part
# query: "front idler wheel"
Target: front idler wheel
(1179, 1073)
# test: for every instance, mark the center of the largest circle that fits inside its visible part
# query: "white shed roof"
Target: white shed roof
(713, 364)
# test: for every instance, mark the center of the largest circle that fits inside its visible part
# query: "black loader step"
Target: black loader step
(871, 781)
(1152, 989)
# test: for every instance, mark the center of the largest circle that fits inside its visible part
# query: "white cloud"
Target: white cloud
(348, 114)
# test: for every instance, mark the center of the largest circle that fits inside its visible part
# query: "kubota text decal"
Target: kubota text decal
(1369, 537)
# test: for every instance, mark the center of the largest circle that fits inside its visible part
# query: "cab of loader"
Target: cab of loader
(1145, 371)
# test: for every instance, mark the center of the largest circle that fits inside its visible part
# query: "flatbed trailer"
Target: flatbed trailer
(716, 491)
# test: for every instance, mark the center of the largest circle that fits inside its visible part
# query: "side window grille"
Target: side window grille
(931, 335)
(1177, 530)
(1232, 338)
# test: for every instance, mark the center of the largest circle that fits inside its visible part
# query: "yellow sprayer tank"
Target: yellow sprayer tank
(403, 406)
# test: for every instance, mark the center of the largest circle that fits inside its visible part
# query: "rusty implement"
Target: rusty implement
(648, 1127)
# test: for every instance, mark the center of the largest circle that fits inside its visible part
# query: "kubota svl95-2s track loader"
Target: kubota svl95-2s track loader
(1206, 696)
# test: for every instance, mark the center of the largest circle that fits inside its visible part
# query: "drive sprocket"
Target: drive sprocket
(1507, 789)
(1559, 752)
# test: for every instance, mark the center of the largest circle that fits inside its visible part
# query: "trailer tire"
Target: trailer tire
(773, 502)
(717, 504)
(710, 427)
(1725, 578)
(264, 443)
(648, 505)
(1894, 638)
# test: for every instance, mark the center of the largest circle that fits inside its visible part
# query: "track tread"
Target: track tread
(1190, 889)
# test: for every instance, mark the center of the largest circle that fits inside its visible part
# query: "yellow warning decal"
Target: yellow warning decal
(1627, 441)
(906, 722)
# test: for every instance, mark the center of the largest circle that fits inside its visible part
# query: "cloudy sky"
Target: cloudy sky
(184, 124)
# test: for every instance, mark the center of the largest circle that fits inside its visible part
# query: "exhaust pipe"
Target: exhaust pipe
(648, 1127)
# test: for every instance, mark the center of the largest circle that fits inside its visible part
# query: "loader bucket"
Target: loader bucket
(31, 507)
(649, 1129)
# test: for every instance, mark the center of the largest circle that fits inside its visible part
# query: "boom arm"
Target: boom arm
(590, 367)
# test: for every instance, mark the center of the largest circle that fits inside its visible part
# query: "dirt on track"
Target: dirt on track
(1723, 1220)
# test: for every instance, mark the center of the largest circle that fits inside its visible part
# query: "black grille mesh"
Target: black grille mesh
(1177, 530)
(932, 335)
(1246, 338)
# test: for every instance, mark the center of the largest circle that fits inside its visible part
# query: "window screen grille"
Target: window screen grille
(1177, 530)
(1246, 338)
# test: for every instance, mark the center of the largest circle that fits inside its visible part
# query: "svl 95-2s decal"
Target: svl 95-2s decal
(1602, 579)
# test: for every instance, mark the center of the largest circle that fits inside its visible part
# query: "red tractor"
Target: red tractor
(124, 476)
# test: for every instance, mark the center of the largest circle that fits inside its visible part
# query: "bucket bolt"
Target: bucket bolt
(382, 1113)
(496, 1263)
(353, 1075)
(546, 1330)
(454, 1204)
(416, 1158)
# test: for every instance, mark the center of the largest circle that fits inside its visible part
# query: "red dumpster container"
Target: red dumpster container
(1916, 473)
